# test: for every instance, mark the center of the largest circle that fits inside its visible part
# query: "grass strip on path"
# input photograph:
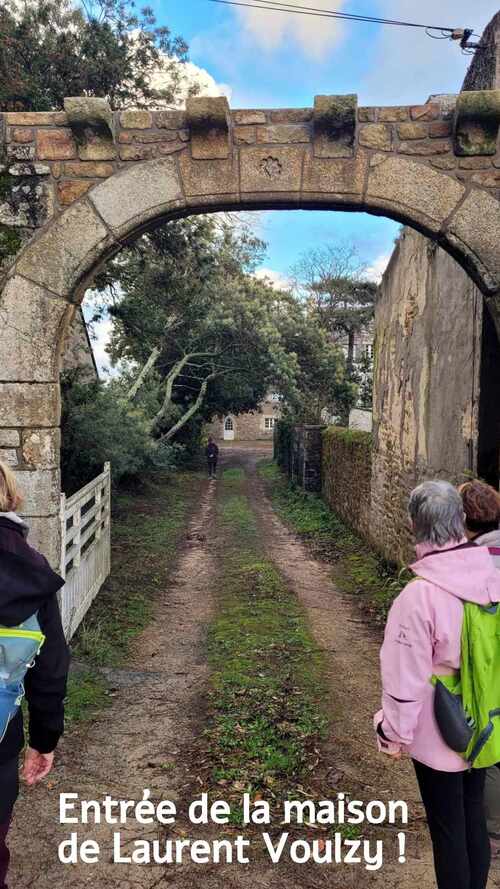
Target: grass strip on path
(267, 673)
(147, 524)
(358, 569)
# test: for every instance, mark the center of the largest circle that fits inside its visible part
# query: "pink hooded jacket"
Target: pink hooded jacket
(422, 637)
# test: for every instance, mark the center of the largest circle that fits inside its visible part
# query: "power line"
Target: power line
(279, 6)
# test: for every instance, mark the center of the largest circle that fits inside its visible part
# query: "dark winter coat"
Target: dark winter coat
(212, 451)
(28, 585)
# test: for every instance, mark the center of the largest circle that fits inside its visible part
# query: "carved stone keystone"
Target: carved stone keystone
(208, 120)
(477, 119)
(85, 112)
(335, 125)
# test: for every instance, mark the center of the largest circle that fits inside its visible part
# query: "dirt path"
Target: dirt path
(139, 741)
(146, 737)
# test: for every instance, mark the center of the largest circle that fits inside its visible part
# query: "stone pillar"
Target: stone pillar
(30, 404)
(308, 461)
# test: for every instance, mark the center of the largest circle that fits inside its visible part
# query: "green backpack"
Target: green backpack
(467, 704)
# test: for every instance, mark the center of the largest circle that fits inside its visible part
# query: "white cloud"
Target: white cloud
(279, 281)
(192, 74)
(314, 34)
(377, 268)
(408, 65)
(100, 337)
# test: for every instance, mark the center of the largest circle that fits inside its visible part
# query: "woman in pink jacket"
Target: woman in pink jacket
(422, 638)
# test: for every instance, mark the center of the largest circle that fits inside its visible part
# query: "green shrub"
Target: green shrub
(283, 442)
(98, 425)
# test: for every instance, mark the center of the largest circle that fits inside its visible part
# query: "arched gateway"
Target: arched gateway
(76, 186)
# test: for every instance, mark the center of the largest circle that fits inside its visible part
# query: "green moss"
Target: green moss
(477, 122)
(349, 436)
(10, 242)
(6, 183)
(267, 673)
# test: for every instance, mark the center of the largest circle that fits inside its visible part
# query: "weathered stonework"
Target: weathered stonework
(140, 193)
(89, 112)
(335, 125)
(96, 148)
(55, 144)
(29, 404)
(69, 190)
(249, 117)
(405, 183)
(413, 130)
(40, 448)
(208, 120)
(276, 169)
(41, 491)
(378, 136)
(26, 355)
(203, 178)
(136, 120)
(77, 238)
(346, 476)
(283, 133)
(477, 121)
(335, 180)
(426, 385)
(10, 438)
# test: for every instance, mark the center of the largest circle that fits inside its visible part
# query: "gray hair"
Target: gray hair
(437, 513)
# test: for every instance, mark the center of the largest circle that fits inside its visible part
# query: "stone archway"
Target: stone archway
(104, 179)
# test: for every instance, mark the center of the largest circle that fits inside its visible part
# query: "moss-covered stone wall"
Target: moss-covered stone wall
(346, 476)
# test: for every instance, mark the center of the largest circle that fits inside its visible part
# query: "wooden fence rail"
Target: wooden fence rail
(85, 548)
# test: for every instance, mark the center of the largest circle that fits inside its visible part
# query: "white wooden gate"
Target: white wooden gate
(85, 548)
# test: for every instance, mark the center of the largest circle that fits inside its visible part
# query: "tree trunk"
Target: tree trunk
(170, 380)
(350, 350)
(143, 374)
(191, 411)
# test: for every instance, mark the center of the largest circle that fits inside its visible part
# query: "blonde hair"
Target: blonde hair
(10, 498)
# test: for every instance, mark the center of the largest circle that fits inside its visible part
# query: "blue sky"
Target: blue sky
(267, 59)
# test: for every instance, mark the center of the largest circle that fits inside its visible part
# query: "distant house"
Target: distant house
(363, 342)
(256, 425)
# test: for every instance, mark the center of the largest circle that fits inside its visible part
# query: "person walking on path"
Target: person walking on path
(212, 455)
(422, 639)
(28, 586)
(482, 518)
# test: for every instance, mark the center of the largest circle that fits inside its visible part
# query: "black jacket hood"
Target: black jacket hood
(26, 579)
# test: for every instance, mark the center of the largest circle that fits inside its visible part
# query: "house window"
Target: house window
(369, 350)
(228, 425)
(269, 422)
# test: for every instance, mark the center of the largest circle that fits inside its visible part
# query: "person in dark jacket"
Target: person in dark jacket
(212, 455)
(28, 585)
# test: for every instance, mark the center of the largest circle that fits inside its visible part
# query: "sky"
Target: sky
(265, 59)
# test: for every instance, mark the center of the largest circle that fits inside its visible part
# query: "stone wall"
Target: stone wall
(78, 352)
(346, 476)
(298, 451)
(484, 71)
(426, 382)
